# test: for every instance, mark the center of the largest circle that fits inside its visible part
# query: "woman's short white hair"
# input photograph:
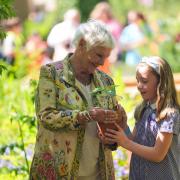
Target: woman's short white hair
(95, 33)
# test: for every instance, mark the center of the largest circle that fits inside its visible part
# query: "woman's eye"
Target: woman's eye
(99, 55)
(144, 81)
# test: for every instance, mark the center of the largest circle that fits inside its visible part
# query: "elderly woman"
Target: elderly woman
(69, 108)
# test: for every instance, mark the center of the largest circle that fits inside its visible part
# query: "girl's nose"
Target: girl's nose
(139, 85)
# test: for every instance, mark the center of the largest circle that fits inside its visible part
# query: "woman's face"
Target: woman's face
(147, 83)
(95, 57)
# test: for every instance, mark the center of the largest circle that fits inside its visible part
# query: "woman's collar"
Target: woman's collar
(68, 74)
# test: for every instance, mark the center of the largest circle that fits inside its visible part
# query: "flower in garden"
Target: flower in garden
(120, 163)
(6, 164)
(29, 152)
(7, 151)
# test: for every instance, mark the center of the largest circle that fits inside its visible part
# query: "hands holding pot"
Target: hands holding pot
(120, 119)
(101, 115)
(106, 119)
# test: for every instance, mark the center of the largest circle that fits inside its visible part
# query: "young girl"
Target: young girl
(155, 141)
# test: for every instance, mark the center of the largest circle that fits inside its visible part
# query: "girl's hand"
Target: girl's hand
(103, 139)
(117, 136)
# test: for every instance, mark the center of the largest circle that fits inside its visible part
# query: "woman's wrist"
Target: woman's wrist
(84, 117)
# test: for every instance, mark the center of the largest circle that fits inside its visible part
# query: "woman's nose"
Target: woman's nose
(101, 61)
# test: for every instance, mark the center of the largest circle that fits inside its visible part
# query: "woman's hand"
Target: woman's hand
(122, 117)
(117, 136)
(102, 115)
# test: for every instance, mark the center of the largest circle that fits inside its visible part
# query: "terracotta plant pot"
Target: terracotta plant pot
(102, 127)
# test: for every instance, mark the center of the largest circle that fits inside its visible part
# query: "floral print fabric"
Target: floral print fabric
(59, 138)
(147, 129)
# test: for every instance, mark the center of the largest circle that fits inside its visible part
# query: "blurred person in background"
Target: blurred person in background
(134, 37)
(67, 144)
(60, 36)
(34, 49)
(13, 41)
(37, 14)
(47, 55)
(103, 12)
(34, 44)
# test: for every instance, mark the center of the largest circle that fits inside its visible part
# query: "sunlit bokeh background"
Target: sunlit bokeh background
(156, 31)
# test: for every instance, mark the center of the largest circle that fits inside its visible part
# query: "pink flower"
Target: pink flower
(59, 66)
(41, 170)
(47, 156)
(50, 174)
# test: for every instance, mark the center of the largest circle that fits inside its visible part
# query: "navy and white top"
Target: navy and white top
(147, 129)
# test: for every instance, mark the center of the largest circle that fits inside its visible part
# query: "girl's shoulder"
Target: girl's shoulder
(171, 123)
(173, 113)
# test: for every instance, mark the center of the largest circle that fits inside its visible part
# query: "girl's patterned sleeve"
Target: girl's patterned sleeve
(171, 124)
(47, 112)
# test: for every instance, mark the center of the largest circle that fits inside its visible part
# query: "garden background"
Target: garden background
(18, 82)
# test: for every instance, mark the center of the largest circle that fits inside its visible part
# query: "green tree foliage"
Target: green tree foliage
(120, 8)
(63, 6)
(6, 11)
(86, 7)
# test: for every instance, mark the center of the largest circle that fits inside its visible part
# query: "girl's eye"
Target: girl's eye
(143, 81)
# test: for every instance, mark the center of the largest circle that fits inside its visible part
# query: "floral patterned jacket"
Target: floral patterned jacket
(59, 139)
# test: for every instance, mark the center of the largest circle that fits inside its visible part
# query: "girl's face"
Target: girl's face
(147, 83)
(95, 57)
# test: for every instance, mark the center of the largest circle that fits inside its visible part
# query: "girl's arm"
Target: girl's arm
(155, 154)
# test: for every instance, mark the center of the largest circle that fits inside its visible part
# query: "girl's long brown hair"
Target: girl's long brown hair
(166, 93)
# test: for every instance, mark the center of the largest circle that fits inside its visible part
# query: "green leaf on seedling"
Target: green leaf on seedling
(108, 90)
